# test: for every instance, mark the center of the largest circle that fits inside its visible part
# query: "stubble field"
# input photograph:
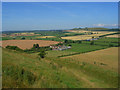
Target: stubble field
(27, 44)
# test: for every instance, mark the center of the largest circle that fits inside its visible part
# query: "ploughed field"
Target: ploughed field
(27, 44)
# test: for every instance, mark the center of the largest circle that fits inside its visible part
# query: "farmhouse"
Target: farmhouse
(92, 39)
(60, 47)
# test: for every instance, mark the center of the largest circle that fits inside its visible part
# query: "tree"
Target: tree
(36, 46)
(79, 41)
(22, 38)
(111, 45)
(42, 54)
(66, 41)
(69, 45)
(92, 43)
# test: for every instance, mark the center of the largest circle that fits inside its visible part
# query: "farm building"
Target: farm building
(92, 39)
(60, 47)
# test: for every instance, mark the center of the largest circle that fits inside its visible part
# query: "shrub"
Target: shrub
(92, 43)
(111, 45)
(42, 54)
(23, 38)
(14, 48)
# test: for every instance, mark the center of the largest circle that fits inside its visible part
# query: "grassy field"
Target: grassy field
(26, 70)
(75, 50)
(86, 47)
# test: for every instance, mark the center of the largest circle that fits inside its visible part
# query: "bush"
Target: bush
(23, 38)
(111, 45)
(14, 48)
(92, 43)
(42, 54)
(35, 46)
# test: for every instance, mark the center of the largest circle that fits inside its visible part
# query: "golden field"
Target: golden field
(27, 44)
(24, 33)
(84, 37)
(109, 57)
(113, 36)
(46, 37)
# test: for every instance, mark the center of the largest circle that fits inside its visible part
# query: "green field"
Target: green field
(85, 65)
(76, 49)
(26, 70)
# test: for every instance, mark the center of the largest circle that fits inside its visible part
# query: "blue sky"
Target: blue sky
(58, 15)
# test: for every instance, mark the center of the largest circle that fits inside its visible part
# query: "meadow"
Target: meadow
(26, 70)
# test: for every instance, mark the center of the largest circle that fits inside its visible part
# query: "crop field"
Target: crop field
(108, 57)
(27, 44)
(84, 37)
(45, 37)
(23, 33)
(114, 36)
(77, 31)
(81, 37)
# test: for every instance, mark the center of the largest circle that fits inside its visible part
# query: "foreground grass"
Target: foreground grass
(26, 70)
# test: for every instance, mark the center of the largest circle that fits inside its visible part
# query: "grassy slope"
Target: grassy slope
(26, 70)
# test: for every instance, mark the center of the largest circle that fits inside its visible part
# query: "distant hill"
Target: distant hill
(96, 29)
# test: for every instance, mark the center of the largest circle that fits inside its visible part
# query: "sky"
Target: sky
(58, 15)
(60, 0)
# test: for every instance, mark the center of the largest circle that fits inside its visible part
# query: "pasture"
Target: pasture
(76, 49)
(27, 44)
(26, 70)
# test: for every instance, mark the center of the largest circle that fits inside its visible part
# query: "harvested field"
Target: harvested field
(46, 37)
(27, 44)
(77, 31)
(81, 37)
(113, 36)
(109, 57)
(84, 37)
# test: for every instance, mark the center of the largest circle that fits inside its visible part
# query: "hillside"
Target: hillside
(26, 70)
(96, 29)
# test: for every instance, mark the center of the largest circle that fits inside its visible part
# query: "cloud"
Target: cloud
(105, 25)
